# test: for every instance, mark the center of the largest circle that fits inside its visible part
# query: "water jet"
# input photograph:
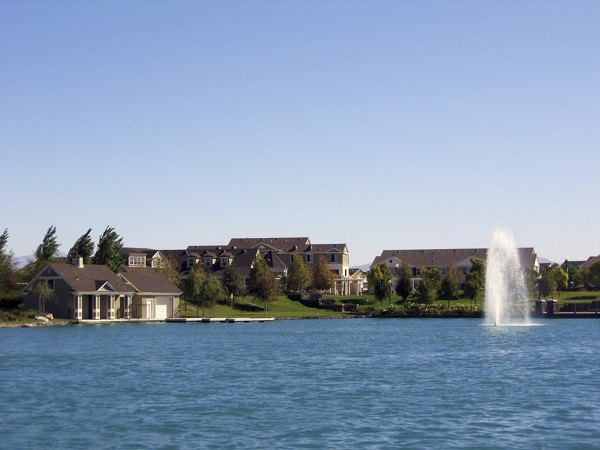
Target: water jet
(506, 294)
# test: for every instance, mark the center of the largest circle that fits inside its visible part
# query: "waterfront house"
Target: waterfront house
(444, 259)
(288, 248)
(94, 292)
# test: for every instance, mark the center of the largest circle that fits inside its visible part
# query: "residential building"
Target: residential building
(444, 259)
(94, 292)
(590, 261)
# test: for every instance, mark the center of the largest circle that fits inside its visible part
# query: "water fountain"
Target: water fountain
(506, 295)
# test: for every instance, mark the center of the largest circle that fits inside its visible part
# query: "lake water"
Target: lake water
(365, 383)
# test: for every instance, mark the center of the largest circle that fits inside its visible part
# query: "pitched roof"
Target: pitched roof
(324, 248)
(89, 278)
(590, 261)
(445, 257)
(149, 280)
(149, 252)
(281, 244)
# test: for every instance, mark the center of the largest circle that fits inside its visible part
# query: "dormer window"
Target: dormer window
(191, 262)
(309, 258)
(224, 261)
(332, 257)
(156, 262)
(208, 262)
(137, 261)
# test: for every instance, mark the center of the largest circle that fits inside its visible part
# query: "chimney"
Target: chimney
(77, 262)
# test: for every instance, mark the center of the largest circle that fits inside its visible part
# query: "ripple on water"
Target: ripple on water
(302, 384)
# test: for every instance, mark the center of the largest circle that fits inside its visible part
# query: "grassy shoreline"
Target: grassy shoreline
(283, 308)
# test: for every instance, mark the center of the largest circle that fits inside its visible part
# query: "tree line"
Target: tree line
(433, 286)
(201, 286)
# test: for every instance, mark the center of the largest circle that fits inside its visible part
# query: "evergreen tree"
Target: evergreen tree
(83, 248)
(323, 277)
(404, 283)
(109, 249)
(7, 280)
(299, 275)
(48, 249)
(262, 282)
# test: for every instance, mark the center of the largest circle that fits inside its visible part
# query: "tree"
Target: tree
(262, 282)
(560, 279)
(546, 285)
(83, 248)
(232, 282)
(47, 250)
(429, 285)
(109, 249)
(194, 284)
(404, 283)
(44, 293)
(323, 277)
(449, 289)
(7, 280)
(592, 276)
(575, 275)
(380, 282)
(211, 292)
(169, 267)
(299, 276)
(475, 280)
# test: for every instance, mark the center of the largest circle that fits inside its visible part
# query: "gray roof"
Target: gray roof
(590, 261)
(149, 280)
(446, 257)
(89, 278)
(281, 244)
(149, 252)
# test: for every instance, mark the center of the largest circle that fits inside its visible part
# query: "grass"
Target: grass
(18, 317)
(281, 308)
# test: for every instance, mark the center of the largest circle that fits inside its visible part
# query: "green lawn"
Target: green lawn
(281, 308)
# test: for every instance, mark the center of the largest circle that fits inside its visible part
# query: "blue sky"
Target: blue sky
(381, 124)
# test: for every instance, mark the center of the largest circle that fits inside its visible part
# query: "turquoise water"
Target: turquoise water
(361, 383)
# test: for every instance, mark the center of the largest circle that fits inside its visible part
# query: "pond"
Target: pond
(354, 383)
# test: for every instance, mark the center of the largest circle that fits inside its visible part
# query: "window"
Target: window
(137, 261)
(191, 262)
(444, 271)
(50, 284)
(308, 258)
(207, 262)
(291, 258)
(224, 262)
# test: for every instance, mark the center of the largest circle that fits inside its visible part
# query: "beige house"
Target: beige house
(444, 259)
(94, 292)
(286, 249)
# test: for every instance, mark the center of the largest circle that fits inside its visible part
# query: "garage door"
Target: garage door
(162, 307)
